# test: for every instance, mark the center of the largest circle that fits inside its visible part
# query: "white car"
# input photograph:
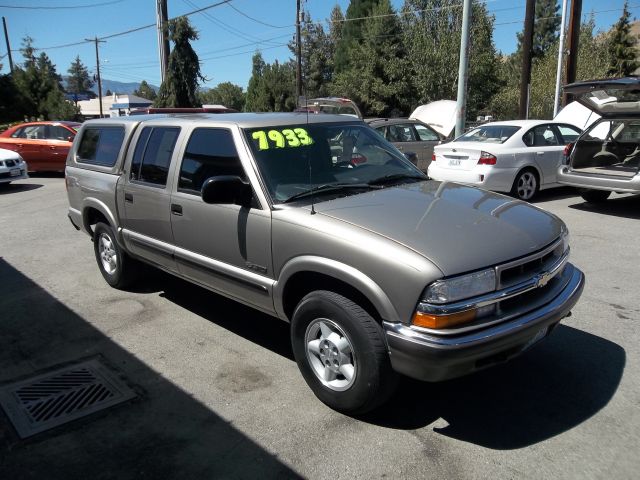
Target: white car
(519, 156)
(12, 166)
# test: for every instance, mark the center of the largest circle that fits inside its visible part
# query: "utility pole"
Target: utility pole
(574, 37)
(461, 103)
(96, 40)
(298, 54)
(163, 36)
(6, 38)
(527, 43)
(556, 100)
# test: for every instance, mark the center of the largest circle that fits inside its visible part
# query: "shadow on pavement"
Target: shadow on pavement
(552, 388)
(551, 194)
(165, 433)
(624, 207)
(556, 386)
(18, 187)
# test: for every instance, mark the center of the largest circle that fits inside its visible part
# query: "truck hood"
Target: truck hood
(458, 228)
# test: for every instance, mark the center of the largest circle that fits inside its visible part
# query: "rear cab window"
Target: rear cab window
(100, 145)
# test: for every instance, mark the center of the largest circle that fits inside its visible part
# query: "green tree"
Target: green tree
(316, 59)
(12, 102)
(256, 100)
(145, 91)
(351, 31)
(181, 83)
(78, 80)
(374, 76)
(40, 86)
(108, 93)
(545, 28)
(592, 63)
(432, 32)
(621, 46)
(225, 93)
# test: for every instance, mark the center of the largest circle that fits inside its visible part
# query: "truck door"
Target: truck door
(224, 247)
(146, 191)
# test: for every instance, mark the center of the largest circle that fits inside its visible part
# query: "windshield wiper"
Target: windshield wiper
(395, 177)
(332, 187)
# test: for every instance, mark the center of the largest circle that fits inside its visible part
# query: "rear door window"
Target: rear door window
(100, 146)
(152, 156)
(426, 134)
(56, 132)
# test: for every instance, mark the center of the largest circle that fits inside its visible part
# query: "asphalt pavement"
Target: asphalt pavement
(219, 394)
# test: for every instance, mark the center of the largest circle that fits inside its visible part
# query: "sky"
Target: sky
(229, 33)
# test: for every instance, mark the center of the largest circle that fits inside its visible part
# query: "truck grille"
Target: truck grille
(525, 268)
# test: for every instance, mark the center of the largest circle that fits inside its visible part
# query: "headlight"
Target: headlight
(459, 288)
(452, 290)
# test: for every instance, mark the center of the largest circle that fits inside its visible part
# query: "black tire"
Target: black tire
(121, 271)
(594, 196)
(373, 380)
(526, 185)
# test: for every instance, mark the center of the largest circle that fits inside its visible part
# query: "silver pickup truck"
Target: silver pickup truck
(319, 221)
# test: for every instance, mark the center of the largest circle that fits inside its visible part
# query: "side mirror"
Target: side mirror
(227, 189)
(70, 138)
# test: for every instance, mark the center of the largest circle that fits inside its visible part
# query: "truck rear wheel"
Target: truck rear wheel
(115, 265)
(340, 351)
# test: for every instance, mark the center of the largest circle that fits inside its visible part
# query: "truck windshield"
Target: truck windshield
(294, 159)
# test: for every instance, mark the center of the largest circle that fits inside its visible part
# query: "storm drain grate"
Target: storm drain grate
(45, 401)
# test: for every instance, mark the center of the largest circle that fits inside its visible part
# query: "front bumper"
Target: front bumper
(8, 174)
(435, 358)
(598, 182)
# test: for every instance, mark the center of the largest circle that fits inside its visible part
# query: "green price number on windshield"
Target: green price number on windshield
(296, 137)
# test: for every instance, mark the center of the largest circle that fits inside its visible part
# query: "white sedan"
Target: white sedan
(519, 156)
(12, 166)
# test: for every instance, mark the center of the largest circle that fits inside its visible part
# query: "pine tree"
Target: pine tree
(40, 86)
(545, 28)
(374, 76)
(183, 75)
(145, 91)
(621, 46)
(256, 97)
(351, 31)
(78, 81)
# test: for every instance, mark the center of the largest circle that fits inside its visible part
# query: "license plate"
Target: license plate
(14, 172)
(538, 336)
(454, 162)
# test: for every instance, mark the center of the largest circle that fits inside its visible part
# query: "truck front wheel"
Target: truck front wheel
(115, 265)
(340, 351)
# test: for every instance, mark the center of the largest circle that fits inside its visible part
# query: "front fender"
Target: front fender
(340, 271)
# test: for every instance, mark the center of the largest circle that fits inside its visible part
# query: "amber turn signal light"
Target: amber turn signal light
(428, 320)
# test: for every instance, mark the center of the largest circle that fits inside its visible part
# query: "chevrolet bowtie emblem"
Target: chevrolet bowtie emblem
(543, 279)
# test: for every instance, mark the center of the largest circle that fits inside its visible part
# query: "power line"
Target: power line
(67, 7)
(259, 21)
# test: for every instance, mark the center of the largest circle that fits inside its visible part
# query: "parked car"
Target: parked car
(334, 105)
(43, 145)
(519, 156)
(440, 115)
(12, 167)
(378, 269)
(409, 136)
(606, 157)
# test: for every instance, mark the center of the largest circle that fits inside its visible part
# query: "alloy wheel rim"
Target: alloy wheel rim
(330, 354)
(108, 254)
(526, 185)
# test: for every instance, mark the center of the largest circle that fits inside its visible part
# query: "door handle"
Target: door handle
(128, 197)
(176, 209)
(52, 148)
(19, 145)
(540, 153)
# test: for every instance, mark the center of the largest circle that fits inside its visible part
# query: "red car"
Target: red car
(44, 145)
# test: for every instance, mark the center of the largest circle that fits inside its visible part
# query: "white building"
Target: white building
(112, 106)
